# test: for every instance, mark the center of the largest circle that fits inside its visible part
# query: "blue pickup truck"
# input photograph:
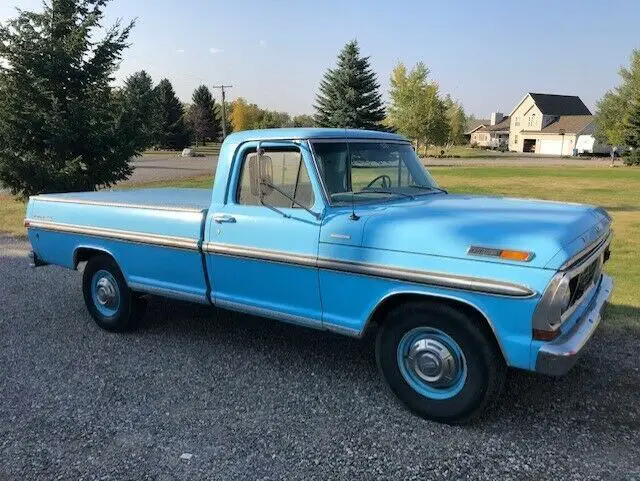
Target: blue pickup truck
(345, 230)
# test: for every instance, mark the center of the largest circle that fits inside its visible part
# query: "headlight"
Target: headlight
(560, 301)
(554, 302)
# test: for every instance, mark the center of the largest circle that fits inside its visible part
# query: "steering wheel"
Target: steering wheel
(386, 182)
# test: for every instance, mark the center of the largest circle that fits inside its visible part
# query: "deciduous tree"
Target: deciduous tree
(303, 120)
(616, 105)
(62, 125)
(456, 121)
(416, 109)
(631, 129)
(349, 94)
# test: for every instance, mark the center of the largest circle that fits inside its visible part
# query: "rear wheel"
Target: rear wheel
(439, 362)
(109, 300)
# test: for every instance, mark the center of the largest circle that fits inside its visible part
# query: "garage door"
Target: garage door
(550, 147)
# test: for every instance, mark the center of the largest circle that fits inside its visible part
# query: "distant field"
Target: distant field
(617, 190)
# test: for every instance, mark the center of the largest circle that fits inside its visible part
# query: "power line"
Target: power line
(224, 115)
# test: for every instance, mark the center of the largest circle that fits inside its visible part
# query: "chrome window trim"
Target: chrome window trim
(323, 187)
(232, 189)
(437, 279)
(124, 235)
(115, 204)
(350, 140)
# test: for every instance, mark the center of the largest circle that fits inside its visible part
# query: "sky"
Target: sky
(274, 52)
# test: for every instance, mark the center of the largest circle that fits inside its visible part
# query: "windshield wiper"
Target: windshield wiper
(437, 189)
(380, 191)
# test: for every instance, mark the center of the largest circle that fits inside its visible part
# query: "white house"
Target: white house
(549, 124)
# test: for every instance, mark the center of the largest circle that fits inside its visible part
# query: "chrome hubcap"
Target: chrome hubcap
(433, 362)
(106, 293)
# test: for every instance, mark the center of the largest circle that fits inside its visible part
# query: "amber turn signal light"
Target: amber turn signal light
(540, 335)
(521, 256)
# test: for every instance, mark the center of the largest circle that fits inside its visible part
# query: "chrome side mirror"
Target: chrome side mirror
(260, 174)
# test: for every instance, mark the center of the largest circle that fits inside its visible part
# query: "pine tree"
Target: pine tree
(349, 94)
(632, 134)
(139, 96)
(203, 115)
(169, 130)
(63, 127)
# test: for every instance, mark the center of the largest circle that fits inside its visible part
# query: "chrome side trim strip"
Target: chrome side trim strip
(269, 313)
(66, 200)
(164, 292)
(260, 254)
(429, 278)
(452, 281)
(345, 331)
(125, 235)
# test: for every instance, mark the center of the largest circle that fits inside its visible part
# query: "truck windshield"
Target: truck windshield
(371, 171)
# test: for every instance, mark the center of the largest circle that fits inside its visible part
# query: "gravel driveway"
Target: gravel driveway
(250, 398)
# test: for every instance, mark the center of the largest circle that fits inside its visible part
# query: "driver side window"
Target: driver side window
(289, 175)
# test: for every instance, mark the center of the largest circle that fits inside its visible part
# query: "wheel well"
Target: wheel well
(83, 254)
(379, 315)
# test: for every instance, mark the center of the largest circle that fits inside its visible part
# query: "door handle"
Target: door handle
(220, 218)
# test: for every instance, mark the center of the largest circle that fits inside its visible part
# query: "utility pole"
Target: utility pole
(224, 115)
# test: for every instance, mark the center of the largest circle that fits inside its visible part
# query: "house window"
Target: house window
(516, 139)
(532, 120)
(517, 121)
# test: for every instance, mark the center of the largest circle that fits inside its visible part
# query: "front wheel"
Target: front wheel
(109, 300)
(439, 361)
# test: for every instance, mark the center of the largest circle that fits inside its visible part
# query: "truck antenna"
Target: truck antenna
(353, 215)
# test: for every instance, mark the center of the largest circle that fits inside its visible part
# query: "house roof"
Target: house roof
(475, 124)
(569, 124)
(551, 104)
(504, 124)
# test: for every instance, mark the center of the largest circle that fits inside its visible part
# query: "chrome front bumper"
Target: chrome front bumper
(557, 357)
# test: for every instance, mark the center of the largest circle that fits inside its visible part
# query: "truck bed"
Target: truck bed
(163, 199)
(155, 235)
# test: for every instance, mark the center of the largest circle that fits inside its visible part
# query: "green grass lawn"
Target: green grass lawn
(209, 149)
(466, 152)
(617, 190)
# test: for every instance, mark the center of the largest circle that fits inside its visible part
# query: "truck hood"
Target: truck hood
(447, 225)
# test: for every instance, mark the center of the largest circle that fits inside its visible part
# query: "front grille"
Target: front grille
(580, 283)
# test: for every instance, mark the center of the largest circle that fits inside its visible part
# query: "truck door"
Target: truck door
(262, 258)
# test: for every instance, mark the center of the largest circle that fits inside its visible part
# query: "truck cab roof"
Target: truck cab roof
(310, 133)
